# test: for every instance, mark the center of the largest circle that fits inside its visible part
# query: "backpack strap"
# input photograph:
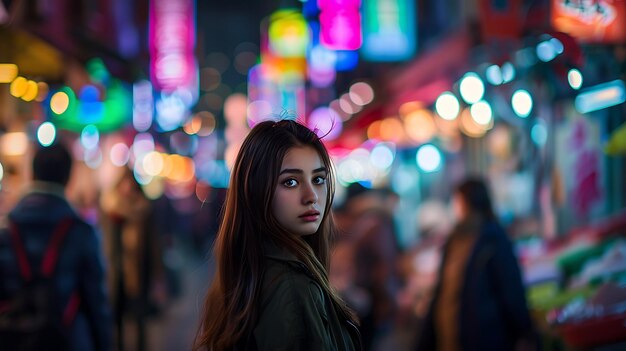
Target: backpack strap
(51, 255)
(48, 263)
(20, 252)
(71, 309)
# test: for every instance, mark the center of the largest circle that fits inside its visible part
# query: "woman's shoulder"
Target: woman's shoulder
(288, 291)
(287, 276)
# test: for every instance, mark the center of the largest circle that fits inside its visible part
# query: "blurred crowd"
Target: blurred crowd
(117, 254)
(438, 293)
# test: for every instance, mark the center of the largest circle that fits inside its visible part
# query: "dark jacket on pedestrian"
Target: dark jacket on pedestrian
(294, 313)
(79, 267)
(492, 311)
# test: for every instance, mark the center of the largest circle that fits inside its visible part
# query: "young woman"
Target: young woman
(271, 290)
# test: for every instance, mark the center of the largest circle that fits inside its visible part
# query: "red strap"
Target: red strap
(48, 263)
(22, 259)
(71, 309)
(52, 251)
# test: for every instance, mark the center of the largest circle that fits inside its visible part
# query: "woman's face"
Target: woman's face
(300, 196)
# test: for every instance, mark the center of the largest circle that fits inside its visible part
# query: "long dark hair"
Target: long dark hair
(230, 311)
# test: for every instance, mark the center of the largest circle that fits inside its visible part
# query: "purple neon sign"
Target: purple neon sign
(172, 41)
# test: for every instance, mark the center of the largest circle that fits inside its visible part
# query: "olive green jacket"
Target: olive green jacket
(294, 312)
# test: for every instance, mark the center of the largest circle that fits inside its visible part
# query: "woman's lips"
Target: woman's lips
(310, 216)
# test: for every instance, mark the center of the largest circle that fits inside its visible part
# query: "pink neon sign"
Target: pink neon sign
(338, 4)
(340, 24)
(341, 30)
(172, 41)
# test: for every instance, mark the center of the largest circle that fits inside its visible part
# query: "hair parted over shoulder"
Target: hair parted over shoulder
(230, 309)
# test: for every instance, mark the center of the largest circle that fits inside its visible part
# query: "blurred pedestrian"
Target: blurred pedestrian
(479, 302)
(52, 290)
(372, 234)
(133, 245)
(271, 289)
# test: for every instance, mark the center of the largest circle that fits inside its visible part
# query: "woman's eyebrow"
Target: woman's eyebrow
(299, 171)
(291, 170)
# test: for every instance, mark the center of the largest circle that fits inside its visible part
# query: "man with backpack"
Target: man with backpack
(52, 285)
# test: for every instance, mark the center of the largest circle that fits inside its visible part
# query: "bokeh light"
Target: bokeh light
(18, 87)
(391, 129)
(481, 112)
(152, 163)
(469, 127)
(428, 158)
(382, 156)
(522, 103)
(508, 72)
(14, 144)
(120, 154)
(539, 132)
(420, 126)
(575, 78)
(447, 106)
(235, 109)
(8, 72)
(546, 51)
(93, 158)
(472, 88)
(89, 137)
(325, 123)
(32, 90)
(42, 91)
(59, 102)
(258, 111)
(361, 93)
(46, 133)
(494, 75)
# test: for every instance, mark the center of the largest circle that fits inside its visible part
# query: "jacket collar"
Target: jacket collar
(271, 250)
(48, 188)
(42, 195)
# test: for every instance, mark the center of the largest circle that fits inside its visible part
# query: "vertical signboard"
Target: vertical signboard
(388, 30)
(172, 41)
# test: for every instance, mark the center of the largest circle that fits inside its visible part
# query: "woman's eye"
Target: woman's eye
(290, 183)
(319, 180)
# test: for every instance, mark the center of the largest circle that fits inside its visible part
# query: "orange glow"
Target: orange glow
(59, 102)
(183, 169)
(8, 72)
(14, 144)
(391, 129)
(168, 166)
(193, 125)
(409, 107)
(420, 126)
(446, 127)
(19, 87)
(373, 131)
(32, 90)
(469, 127)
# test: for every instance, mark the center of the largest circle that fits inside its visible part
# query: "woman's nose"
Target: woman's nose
(309, 195)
